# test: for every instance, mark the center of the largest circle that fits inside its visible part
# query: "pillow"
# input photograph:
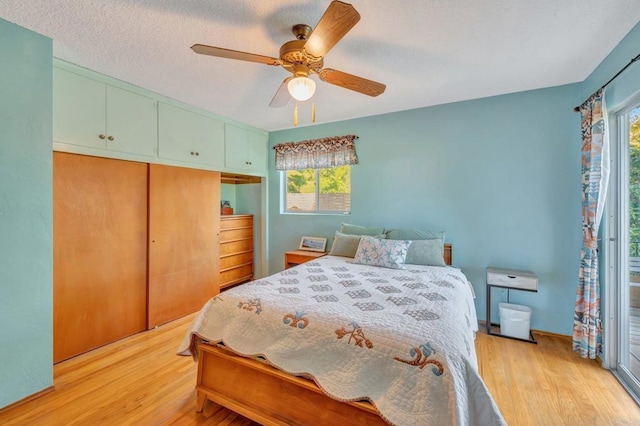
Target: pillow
(360, 230)
(426, 252)
(386, 253)
(346, 245)
(413, 234)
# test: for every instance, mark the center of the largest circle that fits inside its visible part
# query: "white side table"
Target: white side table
(511, 280)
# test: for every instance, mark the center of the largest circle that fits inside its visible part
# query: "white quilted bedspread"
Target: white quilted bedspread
(402, 339)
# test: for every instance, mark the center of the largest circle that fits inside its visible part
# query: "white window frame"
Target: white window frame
(317, 212)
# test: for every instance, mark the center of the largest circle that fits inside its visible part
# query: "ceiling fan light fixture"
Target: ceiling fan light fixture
(301, 88)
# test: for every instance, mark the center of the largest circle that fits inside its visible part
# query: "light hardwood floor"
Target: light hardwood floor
(139, 380)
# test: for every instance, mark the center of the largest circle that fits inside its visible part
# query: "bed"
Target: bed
(334, 342)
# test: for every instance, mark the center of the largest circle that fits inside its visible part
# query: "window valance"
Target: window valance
(317, 153)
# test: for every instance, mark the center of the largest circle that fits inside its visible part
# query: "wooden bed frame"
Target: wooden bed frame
(271, 397)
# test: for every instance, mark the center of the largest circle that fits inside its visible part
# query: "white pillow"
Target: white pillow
(386, 253)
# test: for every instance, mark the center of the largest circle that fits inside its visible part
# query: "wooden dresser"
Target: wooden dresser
(236, 249)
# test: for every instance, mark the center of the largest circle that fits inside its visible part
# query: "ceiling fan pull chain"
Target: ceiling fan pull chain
(313, 111)
(295, 114)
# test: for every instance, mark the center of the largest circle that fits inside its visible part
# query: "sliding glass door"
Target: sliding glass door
(628, 285)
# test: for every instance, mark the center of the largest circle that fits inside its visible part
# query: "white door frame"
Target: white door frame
(615, 313)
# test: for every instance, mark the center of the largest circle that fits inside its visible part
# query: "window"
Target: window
(320, 191)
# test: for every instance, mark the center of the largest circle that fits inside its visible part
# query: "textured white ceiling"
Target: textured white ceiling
(427, 52)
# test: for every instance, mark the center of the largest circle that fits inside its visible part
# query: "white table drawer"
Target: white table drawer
(523, 280)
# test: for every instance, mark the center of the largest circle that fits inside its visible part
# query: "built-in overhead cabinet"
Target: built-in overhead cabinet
(187, 136)
(93, 114)
(245, 149)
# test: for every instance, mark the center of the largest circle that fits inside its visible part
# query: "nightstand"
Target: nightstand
(509, 279)
(296, 257)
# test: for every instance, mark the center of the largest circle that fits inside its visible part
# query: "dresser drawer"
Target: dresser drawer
(509, 278)
(241, 273)
(235, 247)
(236, 234)
(235, 260)
(236, 222)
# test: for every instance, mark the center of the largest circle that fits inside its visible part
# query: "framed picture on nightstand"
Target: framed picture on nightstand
(313, 243)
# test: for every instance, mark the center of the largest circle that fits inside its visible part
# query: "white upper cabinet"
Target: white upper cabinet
(245, 149)
(187, 136)
(93, 114)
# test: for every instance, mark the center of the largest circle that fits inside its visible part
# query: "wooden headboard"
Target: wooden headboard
(448, 254)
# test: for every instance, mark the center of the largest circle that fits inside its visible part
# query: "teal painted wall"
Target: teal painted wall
(25, 213)
(249, 201)
(500, 175)
(628, 83)
(228, 193)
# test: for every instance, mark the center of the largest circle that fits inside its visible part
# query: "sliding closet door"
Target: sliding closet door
(184, 213)
(99, 251)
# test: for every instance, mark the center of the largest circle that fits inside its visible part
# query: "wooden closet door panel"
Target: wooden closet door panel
(184, 212)
(100, 251)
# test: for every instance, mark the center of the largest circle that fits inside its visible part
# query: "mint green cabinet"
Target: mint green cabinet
(93, 114)
(188, 136)
(245, 149)
(132, 122)
(79, 110)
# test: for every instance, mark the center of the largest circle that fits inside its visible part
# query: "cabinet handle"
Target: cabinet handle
(111, 138)
(101, 136)
(193, 153)
(197, 153)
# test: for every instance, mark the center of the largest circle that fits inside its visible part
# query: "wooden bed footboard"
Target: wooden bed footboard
(269, 396)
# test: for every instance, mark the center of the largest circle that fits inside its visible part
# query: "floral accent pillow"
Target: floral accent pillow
(385, 253)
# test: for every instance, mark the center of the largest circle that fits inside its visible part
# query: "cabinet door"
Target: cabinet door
(257, 151)
(132, 122)
(245, 149)
(187, 136)
(99, 252)
(235, 147)
(79, 110)
(184, 224)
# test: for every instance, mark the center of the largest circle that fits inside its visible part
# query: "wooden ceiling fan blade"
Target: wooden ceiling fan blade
(234, 54)
(281, 98)
(337, 20)
(352, 82)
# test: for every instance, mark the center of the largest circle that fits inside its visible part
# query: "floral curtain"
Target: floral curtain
(317, 153)
(587, 327)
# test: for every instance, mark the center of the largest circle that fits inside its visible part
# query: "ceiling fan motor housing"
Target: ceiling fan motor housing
(292, 52)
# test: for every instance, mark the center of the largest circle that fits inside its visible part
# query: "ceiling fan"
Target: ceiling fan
(305, 56)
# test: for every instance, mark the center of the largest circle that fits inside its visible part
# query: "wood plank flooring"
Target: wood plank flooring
(548, 384)
(634, 341)
(139, 380)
